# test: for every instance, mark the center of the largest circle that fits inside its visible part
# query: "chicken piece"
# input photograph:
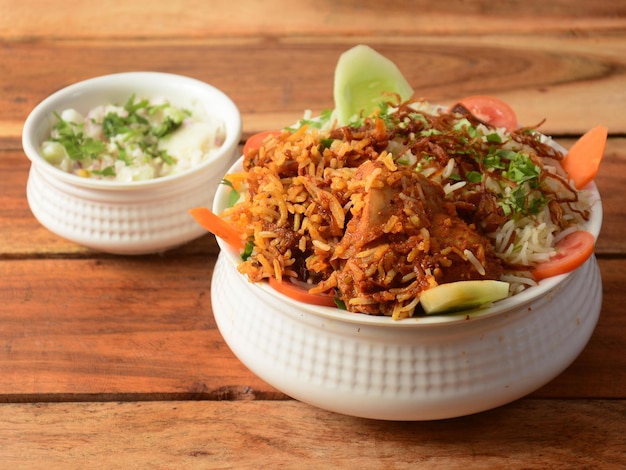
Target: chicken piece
(405, 238)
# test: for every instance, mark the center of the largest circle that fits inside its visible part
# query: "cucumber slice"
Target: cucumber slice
(362, 77)
(462, 295)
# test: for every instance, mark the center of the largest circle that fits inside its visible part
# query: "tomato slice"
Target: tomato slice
(256, 140)
(571, 252)
(301, 294)
(491, 110)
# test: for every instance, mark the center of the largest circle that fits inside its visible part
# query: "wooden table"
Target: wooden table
(111, 361)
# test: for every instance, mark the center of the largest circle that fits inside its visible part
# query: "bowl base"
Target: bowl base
(421, 372)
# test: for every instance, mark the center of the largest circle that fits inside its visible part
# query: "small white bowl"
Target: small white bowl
(136, 217)
(420, 368)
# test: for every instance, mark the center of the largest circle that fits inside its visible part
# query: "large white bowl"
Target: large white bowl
(421, 368)
(127, 218)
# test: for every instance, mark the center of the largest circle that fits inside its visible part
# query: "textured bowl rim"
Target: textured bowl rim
(519, 301)
(99, 85)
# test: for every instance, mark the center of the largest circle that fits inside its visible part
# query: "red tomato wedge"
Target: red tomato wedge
(583, 160)
(491, 110)
(256, 140)
(301, 294)
(217, 226)
(571, 252)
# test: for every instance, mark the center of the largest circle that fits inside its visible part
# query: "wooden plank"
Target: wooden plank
(219, 19)
(142, 328)
(610, 181)
(573, 83)
(528, 434)
(114, 327)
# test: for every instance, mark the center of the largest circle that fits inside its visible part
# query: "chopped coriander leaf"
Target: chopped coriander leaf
(233, 195)
(464, 125)
(494, 137)
(519, 199)
(77, 146)
(418, 117)
(537, 204)
(233, 198)
(112, 125)
(132, 106)
(166, 157)
(521, 168)
(494, 161)
(166, 127)
(522, 201)
(226, 182)
(108, 171)
(122, 155)
(474, 177)
(326, 143)
(506, 154)
(157, 107)
(506, 208)
(247, 251)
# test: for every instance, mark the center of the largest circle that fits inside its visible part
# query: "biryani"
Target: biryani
(374, 213)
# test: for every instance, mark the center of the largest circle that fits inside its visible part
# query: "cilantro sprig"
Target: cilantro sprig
(71, 136)
(525, 176)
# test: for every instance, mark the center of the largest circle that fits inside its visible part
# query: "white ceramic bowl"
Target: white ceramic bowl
(127, 218)
(422, 368)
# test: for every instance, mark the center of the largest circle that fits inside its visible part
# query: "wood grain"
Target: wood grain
(529, 434)
(221, 19)
(142, 329)
(573, 84)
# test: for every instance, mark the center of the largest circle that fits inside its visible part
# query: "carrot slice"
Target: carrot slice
(301, 294)
(217, 226)
(571, 252)
(583, 160)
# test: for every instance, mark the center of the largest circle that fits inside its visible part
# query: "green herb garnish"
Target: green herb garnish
(140, 126)
(521, 168)
(247, 251)
(474, 177)
(326, 143)
(233, 195)
(494, 137)
(108, 171)
(77, 146)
